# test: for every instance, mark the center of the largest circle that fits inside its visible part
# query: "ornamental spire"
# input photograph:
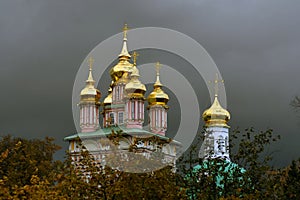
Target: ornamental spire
(216, 115)
(135, 71)
(124, 51)
(135, 55)
(158, 96)
(216, 82)
(90, 63)
(90, 87)
(157, 83)
(134, 88)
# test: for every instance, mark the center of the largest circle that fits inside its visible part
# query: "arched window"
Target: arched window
(117, 93)
(121, 118)
(112, 118)
(221, 144)
(226, 145)
(132, 110)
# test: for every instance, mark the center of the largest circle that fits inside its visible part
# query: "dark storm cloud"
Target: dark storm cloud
(255, 44)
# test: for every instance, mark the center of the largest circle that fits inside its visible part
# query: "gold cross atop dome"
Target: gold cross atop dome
(157, 66)
(135, 55)
(216, 115)
(91, 62)
(158, 96)
(125, 29)
(216, 82)
(90, 87)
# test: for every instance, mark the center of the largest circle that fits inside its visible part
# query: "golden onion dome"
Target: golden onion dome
(123, 65)
(123, 79)
(89, 92)
(158, 96)
(108, 99)
(216, 115)
(134, 88)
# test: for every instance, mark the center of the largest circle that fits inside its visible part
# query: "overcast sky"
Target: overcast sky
(255, 45)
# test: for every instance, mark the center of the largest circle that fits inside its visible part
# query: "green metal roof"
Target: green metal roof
(218, 168)
(103, 132)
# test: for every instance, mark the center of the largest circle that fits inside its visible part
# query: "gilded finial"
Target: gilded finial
(91, 62)
(90, 87)
(124, 51)
(135, 71)
(216, 115)
(125, 29)
(157, 67)
(135, 55)
(216, 82)
(158, 96)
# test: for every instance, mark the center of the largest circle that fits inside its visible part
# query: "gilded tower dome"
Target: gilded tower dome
(158, 96)
(89, 93)
(134, 88)
(216, 115)
(108, 99)
(123, 66)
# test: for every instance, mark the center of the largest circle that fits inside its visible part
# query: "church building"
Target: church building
(124, 139)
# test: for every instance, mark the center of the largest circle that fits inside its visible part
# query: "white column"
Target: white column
(81, 116)
(135, 110)
(91, 115)
(83, 112)
(143, 111)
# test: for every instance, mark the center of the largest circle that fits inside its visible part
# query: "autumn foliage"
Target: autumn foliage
(28, 171)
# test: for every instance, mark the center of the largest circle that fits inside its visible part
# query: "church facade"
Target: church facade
(123, 139)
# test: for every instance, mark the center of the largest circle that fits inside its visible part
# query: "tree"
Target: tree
(252, 155)
(296, 102)
(104, 182)
(26, 163)
(43, 178)
(248, 175)
(292, 182)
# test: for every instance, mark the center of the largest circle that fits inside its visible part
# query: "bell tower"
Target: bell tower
(89, 103)
(216, 142)
(158, 107)
(134, 99)
(120, 75)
